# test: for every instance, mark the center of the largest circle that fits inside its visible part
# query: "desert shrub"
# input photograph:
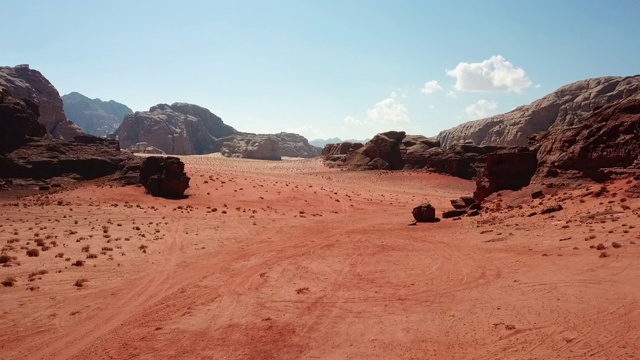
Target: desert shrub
(77, 263)
(85, 248)
(59, 255)
(33, 252)
(8, 281)
(80, 282)
(39, 242)
(4, 258)
(92, 256)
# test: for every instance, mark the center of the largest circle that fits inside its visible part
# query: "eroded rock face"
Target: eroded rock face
(563, 108)
(48, 158)
(294, 145)
(94, 116)
(18, 122)
(25, 83)
(251, 146)
(164, 176)
(504, 169)
(602, 146)
(181, 129)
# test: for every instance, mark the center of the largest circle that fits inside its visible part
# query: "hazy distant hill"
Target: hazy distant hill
(94, 116)
(322, 142)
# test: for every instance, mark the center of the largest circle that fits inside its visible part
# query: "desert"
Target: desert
(290, 259)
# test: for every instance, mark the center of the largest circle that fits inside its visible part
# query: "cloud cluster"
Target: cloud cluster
(481, 108)
(388, 111)
(493, 74)
(431, 87)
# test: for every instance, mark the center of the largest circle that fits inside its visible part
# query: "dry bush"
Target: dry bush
(106, 248)
(80, 282)
(39, 242)
(39, 272)
(8, 281)
(143, 247)
(33, 252)
(12, 240)
(45, 247)
(85, 248)
(77, 263)
(4, 258)
(92, 256)
(60, 255)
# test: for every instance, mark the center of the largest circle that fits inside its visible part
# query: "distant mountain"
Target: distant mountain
(94, 116)
(322, 142)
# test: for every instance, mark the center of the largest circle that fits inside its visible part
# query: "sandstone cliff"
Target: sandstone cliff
(94, 116)
(18, 122)
(602, 146)
(181, 129)
(562, 108)
(25, 83)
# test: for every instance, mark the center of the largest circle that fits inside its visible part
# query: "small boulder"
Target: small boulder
(453, 213)
(164, 176)
(424, 213)
(536, 194)
(551, 209)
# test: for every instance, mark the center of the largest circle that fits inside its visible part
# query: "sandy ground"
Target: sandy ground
(290, 260)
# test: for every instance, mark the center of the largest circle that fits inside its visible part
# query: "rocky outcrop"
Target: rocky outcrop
(391, 150)
(49, 158)
(181, 129)
(164, 176)
(504, 169)
(25, 83)
(145, 148)
(601, 146)
(18, 122)
(94, 116)
(294, 145)
(563, 108)
(251, 146)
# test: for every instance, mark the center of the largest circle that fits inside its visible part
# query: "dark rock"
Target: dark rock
(505, 169)
(475, 206)
(458, 204)
(536, 194)
(424, 213)
(453, 213)
(25, 83)
(18, 122)
(551, 209)
(616, 245)
(601, 146)
(600, 247)
(94, 116)
(164, 176)
(633, 191)
(473, 213)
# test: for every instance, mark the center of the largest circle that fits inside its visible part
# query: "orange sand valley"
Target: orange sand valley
(290, 260)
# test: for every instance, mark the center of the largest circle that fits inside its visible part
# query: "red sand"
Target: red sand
(302, 262)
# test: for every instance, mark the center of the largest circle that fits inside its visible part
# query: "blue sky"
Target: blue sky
(324, 68)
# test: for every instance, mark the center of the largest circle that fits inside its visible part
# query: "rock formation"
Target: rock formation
(27, 150)
(251, 146)
(602, 146)
(18, 122)
(294, 145)
(164, 176)
(94, 116)
(562, 108)
(25, 83)
(504, 169)
(181, 129)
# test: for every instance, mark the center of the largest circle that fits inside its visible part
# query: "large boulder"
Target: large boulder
(563, 108)
(181, 129)
(294, 145)
(424, 213)
(94, 116)
(25, 83)
(164, 176)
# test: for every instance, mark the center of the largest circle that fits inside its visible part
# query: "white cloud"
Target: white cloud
(309, 132)
(354, 121)
(452, 94)
(482, 108)
(388, 111)
(537, 86)
(431, 106)
(430, 87)
(493, 74)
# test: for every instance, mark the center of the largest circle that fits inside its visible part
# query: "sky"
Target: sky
(324, 68)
